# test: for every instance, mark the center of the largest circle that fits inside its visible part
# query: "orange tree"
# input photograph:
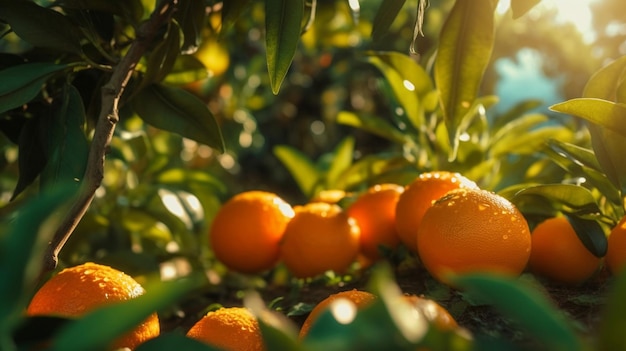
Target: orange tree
(117, 117)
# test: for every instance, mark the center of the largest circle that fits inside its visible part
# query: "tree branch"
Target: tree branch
(103, 133)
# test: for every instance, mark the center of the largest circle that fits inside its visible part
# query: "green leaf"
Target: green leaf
(607, 114)
(304, 172)
(22, 243)
(520, 7)
(613, 318)
(575, 153)
(279, 333)
(408, 80)
(103, 325)
(31, 158)
(22, 83)
(518, 126)
(340, 161)
(131, 10)
(590, 234)
(40, 26)
(387, 12)
(175, 341)
(283, 21)
(528, 142)
(573, 198)
(523, 304)
(162, 59)
(187, 69)
(190, 16)
(66, 146)
(178, 111)
(464, 51)
(603, 83)
(372, 124)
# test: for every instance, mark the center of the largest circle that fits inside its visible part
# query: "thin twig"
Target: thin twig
(107, 120)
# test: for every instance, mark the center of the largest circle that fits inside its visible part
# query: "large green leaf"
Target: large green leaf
(283, 21)
(603, 83)
(66, 145)
(613, 321)
(190, 16)
(408, 80)
(387, 12)
(41, 27)
(163, 57)
(572, 198)
(520, 7)
(464, 51)
(607, 114)
(103, 325)
(175, 341)
(176, 110)
(22, 83)
(31, 158)
(526, 306)
(304, 172)
(22, 243)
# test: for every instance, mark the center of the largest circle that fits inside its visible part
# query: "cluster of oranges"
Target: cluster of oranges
(443, 217)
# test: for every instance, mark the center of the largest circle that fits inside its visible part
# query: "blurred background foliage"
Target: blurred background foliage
(152, 213)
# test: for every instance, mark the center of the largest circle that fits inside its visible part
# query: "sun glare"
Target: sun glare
(576, 12)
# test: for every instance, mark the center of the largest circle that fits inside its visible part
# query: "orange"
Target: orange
(558, 254)
(247, 229)
(320, 237)
(433, 312)
(229, 328)
(358, 297)
(375, 213)
(80, 289)
(616, 254)
(418, 196)
(473, 230)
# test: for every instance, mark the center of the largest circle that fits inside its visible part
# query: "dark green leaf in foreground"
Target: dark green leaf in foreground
(21, 83)
(387, 12)
(464, 51)
(524, 305)
(590, 234)
(283, 21)
(520, 7)
(103, 325)
(178, 111)
(174, 341)
(41, 27)
(300, 167)
(613, 320)
(572, 198)
(66, 145)
(21, 249)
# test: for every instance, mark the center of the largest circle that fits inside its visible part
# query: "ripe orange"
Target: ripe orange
(229, 328)
(433, 312)
(558, 254)
(320, 237)
(247, 229)
(472, 230)
(418, 196)
(80, 289)
(358, 297)
(616, 254)
(375, 213)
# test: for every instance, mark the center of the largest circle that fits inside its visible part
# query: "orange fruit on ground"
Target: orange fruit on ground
(558, 254)
(433, 312)
(418, 196)
(375, 213)
(615, 258)
(358, 297)
(320, 237)
(78, 290)
(473, 230)
(247, 229)
(229, 328)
